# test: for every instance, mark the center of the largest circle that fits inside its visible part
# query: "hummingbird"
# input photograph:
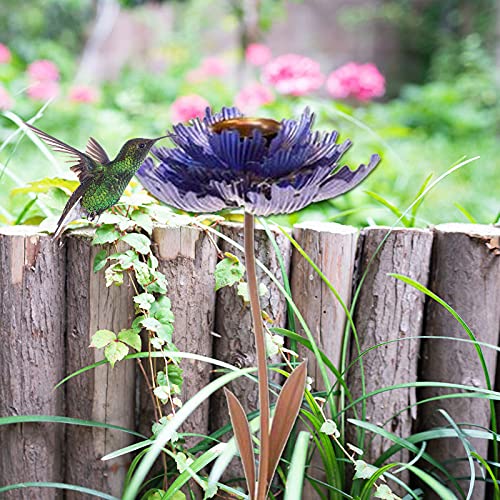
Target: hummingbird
(102, 181)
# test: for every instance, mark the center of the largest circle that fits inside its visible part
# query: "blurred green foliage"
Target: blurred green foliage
(425, 130)
(46, 29)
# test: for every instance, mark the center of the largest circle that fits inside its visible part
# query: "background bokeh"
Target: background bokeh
(114, 70)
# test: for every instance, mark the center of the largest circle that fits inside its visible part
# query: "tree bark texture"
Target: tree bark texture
(103, 394)
(388, 309)
(465, 274)
(32, 323)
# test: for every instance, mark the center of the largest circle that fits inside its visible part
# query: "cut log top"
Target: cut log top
(483, 230)
(326, 227)
(21, 231)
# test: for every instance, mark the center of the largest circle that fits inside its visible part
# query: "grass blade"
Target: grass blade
(387, 204)
(297, 468)
(443, 492)
(419, 200)
(22, 419)
(59, 486)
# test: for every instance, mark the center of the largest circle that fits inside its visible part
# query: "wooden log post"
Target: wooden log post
(32, 323)
(187, 257)
(103, 394)
(233, 322)
(332, 247)
(388, 309)
(465, 274)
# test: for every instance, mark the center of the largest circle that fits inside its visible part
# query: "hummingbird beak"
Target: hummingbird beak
(162, 137)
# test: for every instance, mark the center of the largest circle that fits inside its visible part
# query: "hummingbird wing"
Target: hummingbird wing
(96, 152)
(85, 167)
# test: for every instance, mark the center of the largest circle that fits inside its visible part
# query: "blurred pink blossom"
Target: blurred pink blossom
(293, 74)
(258, 54)
(5, 55)
(6, 101)
(43, 90)
(214, 66)
(361, 81)
(210, 67)
(43, 70)
(83, 94)
(252, 96)
(187, 107)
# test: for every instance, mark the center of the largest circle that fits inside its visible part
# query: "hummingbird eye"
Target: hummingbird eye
(142, 145)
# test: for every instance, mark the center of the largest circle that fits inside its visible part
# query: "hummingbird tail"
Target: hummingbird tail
(72, 211)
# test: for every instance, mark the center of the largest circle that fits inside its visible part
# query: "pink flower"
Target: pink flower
(188, 107)
(5, 55)
(43, 90)
(251, 97)
(43, 70)
(361, 81)
(258, 54)
(6, 101)
(213, 66)
(210, 67)
(83, 93)
(293, 74)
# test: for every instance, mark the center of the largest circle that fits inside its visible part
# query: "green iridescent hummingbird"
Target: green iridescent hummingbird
(102, 181)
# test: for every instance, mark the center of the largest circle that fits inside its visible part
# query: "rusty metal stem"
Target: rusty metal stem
(260, 345)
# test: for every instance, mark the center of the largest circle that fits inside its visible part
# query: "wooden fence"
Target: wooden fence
(51, 303)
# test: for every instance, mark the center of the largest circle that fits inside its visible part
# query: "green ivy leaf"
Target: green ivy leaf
(114, 275)
(136, 324)
(131, 338)
(157, 343)
(106, 233)
(161, 378)
(159, 284)
(165, 332)
(144, 300)
(127, 260)
(137, 241)
(100, 260)
(142, 273)
(151, 324)
(102, 338)
(227, 272)
(243, 292)
(143, 220)
(152, 262)
(115, 351)
(162, 392)
(175, 374)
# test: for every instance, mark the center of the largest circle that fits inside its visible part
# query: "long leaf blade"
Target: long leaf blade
(287, 409)
(243, 438)
(296, 472)
(59, 486)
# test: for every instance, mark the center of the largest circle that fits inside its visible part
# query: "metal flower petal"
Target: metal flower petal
(267, 167)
